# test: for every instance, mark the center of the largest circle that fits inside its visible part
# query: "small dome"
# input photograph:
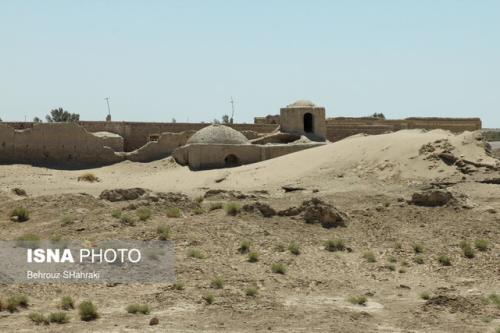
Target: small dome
(302, 103)
(218, 134)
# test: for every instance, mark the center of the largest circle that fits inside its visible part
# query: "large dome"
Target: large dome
(218, 134)
(302, 103)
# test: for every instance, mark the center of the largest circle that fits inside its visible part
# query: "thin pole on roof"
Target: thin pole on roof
(107, 102)
(232, 109)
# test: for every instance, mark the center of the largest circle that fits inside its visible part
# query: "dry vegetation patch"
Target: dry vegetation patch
(138, 308)
(143, 213)
(67, 303)
(19, 214)
(58, 317)
(87, 311)
(38, 318)
(163, 232)
(334, 245)
(279, 268)
(88, 177)
(358, 300)
(173, 212)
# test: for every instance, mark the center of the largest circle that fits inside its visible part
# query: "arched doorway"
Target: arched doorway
(231, 160)
(308, 123)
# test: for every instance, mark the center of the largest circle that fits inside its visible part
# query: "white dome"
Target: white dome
(218, 134)
(302, 103)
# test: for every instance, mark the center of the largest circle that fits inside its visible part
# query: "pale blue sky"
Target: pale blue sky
(162, 59)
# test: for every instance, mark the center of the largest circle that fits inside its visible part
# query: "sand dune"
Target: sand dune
(383, 158)
(366, 178)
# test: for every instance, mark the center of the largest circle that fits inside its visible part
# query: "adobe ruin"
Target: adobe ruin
(219, 146)
(304, 118)
(300, 125)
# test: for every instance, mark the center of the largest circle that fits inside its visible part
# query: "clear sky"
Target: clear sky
(184, 59)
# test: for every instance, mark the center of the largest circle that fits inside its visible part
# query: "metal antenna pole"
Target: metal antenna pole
(232, 108)
(107, 102)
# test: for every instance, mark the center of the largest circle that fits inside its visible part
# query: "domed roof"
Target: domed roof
(301, 103)
(218, 134)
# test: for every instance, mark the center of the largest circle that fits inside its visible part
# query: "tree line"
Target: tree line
(58, 115)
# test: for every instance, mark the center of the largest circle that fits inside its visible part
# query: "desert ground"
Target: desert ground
(407, 264)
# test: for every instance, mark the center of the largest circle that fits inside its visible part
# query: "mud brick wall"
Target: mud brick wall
(339, 128)
(136, 134)
(57, 144)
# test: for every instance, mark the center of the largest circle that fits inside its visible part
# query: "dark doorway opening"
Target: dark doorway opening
(231, 161)
(308, 123)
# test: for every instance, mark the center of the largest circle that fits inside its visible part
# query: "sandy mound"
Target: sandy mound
(403, 157)
(397, 156)
(373, 193)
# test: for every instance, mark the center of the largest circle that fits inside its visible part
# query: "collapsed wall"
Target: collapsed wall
(101, 143)
(495, 148)
(341, 127)
(64, 144)
(111, 140)
(338, 128)
(137, 134)
(155, 150)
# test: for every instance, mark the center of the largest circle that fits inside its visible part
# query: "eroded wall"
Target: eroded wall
(162, 148)
(137, 134)
(339, 128)
(58, 144)
(70, 144)
(111, 140)
(273, 151)
(212, 156)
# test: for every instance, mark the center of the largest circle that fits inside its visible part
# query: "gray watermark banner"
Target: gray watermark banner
(110, 261)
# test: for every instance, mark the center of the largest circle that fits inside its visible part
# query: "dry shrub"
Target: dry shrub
(88, 177)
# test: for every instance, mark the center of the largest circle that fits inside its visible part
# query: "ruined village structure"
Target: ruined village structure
(299, 126)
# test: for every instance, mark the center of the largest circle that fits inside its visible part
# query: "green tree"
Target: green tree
(378, 115)
(59, 115)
